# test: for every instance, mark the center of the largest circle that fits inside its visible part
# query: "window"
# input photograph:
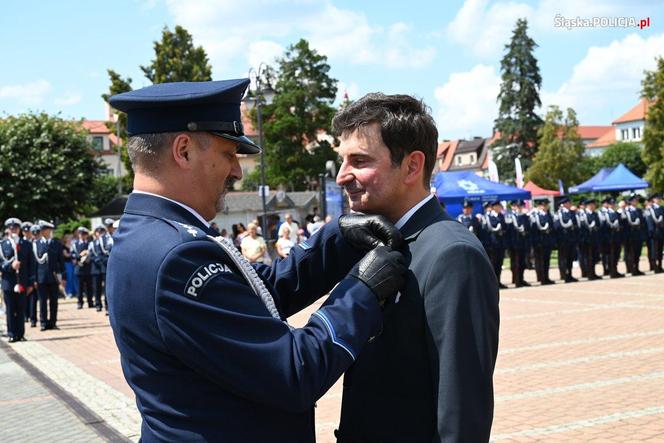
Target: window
(98, 143)
(472, 158)
(624, 134)
(636, 133)
(459, 160)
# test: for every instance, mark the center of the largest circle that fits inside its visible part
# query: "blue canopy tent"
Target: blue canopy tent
(587, 185)
(453, 188)
(619, 178)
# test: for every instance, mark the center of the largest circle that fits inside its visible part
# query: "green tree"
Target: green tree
(560, 154)
(177, 59)
(623, 152)
(518, 98)
(47, 167)
(119, 85)
(653, 135)
(294, 123)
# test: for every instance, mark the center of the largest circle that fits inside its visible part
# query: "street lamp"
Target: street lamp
(118, 171)
(261, 94)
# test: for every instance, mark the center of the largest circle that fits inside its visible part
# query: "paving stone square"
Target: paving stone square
(577, 362)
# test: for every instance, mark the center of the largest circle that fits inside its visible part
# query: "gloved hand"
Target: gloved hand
(365, 232)
(383, 270)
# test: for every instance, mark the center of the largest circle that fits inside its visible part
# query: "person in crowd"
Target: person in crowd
(49, 256)
(253, 246)
(284, 244)
(543, 240)
(519, 241)
(18, 277)
(567, 229)
(292, 225)
(80, 252)
(635, 233)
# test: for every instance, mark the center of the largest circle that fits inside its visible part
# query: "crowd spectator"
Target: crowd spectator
(292, 225)
(284, 244)
(253, 246)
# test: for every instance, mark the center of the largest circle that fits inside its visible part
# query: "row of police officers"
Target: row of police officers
(587, 233)
(33, 272)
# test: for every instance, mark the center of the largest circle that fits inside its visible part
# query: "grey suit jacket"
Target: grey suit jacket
(429, 375)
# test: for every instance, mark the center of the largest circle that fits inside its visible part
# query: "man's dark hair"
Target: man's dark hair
(405, 126)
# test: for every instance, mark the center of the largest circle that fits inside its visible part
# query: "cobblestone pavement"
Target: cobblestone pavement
(30, 413)
(577, 362)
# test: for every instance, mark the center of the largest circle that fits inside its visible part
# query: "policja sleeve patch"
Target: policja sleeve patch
(202, 276)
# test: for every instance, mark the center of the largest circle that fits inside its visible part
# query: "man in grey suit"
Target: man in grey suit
(429, 375)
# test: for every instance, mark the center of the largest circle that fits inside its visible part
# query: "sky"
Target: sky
(55, 54)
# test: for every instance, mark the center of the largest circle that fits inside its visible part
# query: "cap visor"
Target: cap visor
(244, 144)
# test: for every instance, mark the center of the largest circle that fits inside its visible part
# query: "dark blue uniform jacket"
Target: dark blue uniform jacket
(215, 365)
(55, 263)
(26, 275)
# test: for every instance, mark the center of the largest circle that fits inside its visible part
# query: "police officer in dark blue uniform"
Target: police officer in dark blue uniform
(497, 229)
(99, 255)
(615, 232)
(17, 278)
(655, 221)
(482, 231)
(468, 219)
(589, 238)
(519, 241)
(543, 240)
(80, 255)
(635, 231)
(202, 333)
(604, 248)
(27, 236)
(566, 232)
(49, 255)
(33, 300)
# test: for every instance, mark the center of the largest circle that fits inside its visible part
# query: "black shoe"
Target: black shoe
(106, 313)
(594, 277)
(11, 340)
(525, 283)
(636, 273)
(54, 327)
(98, 308)
(43, 328)
(79, 307)
(91, 306)
(502, 286)
(571, 280)
(548, 282)
(33, 324)
(659, 270)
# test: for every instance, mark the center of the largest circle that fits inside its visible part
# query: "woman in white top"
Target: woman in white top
(284, 244)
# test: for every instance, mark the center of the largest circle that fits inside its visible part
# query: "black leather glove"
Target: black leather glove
(365, 232)
(383, 270)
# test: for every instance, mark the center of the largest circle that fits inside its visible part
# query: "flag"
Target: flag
(561, 188)
(519, 172)
(493, 169)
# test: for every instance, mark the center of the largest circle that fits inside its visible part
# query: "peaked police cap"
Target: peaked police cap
(212, 106)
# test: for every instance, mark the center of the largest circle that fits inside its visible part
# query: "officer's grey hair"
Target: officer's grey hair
(146, 150)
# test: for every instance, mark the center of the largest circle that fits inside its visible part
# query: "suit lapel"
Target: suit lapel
(430, 212)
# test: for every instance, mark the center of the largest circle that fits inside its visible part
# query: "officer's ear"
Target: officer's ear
(182, 150)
